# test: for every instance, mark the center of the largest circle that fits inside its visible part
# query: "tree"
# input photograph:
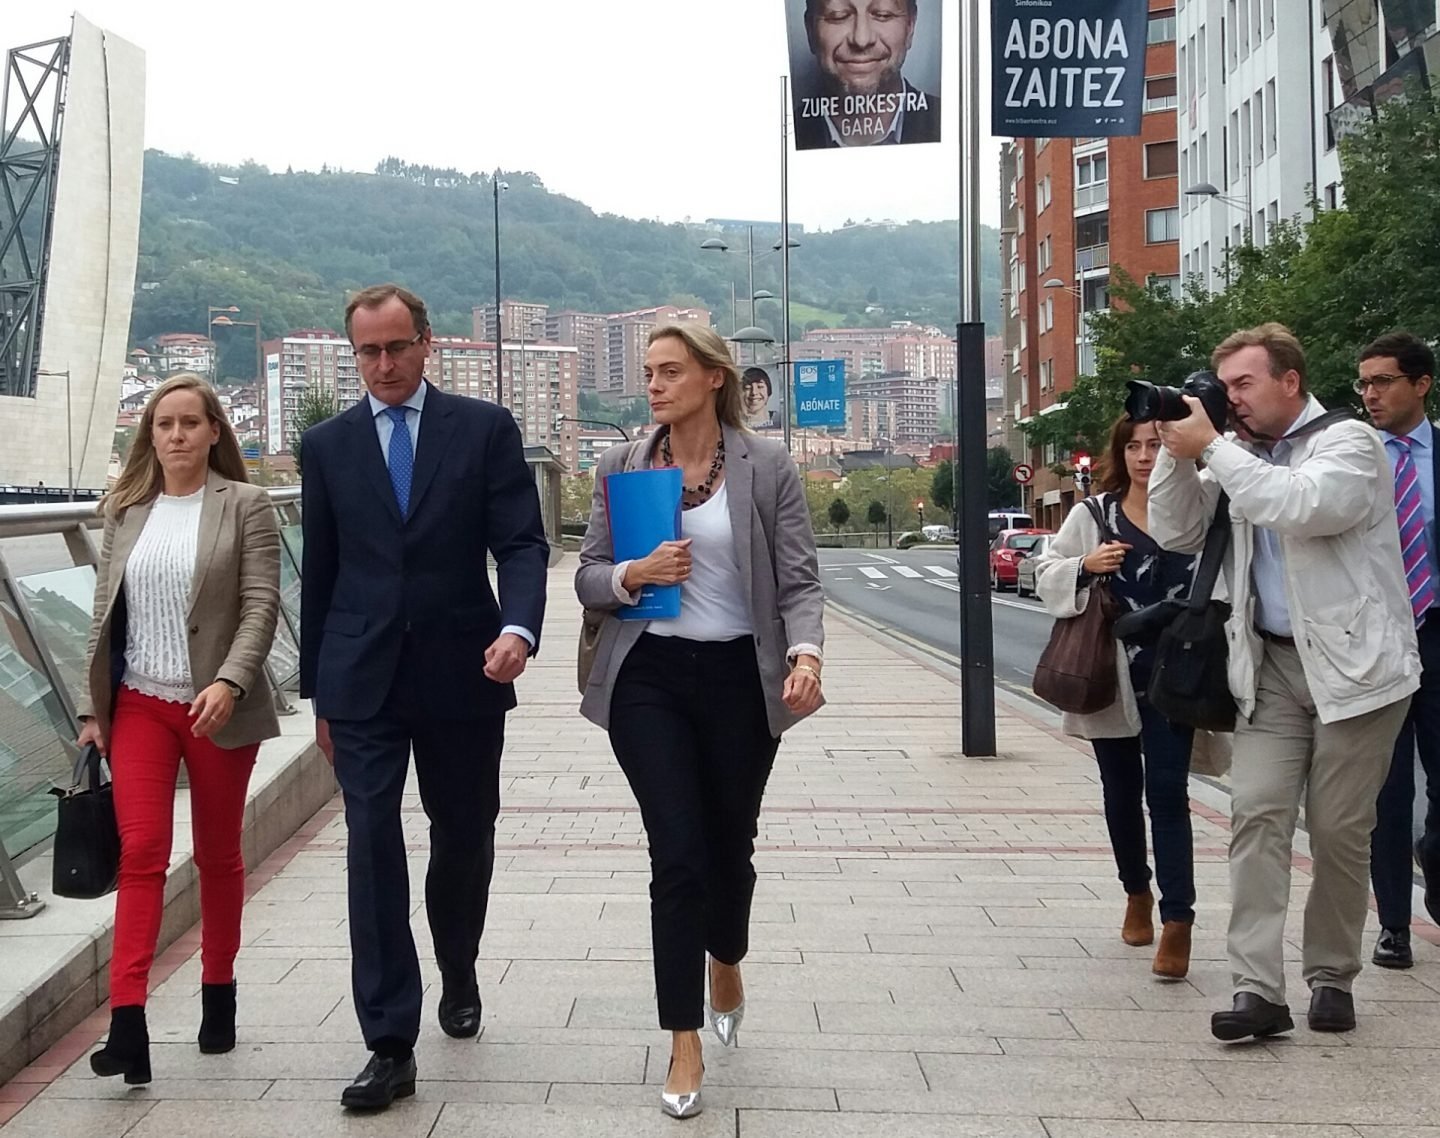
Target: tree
(942, 487)
(1000, 488)
(124, 436)
(576, 495)
(316, 405)
(838, 513)
(875, 514)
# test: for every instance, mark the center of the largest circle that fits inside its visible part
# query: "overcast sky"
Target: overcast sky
(663, 109)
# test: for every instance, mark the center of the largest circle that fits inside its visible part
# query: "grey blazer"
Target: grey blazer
(774, 545)
(231, 612)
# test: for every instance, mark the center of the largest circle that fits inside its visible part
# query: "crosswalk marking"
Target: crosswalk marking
(906, 571)
(872, 572)
(941, 571)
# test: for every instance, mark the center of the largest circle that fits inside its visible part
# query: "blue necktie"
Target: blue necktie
(402, 458)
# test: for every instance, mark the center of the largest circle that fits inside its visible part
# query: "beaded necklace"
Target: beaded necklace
(692, 496)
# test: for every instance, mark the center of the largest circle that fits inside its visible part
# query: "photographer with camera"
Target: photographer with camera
(1322, 659)
(1141, 757)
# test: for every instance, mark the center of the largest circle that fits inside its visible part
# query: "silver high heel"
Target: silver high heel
(686, 1105)
(726, 1025)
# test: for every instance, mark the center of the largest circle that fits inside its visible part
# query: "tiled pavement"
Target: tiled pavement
(935, 952)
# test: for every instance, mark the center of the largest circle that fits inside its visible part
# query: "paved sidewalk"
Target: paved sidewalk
(936, 952)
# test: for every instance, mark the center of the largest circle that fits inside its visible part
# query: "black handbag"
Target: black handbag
(87, 839)
(1189, 682)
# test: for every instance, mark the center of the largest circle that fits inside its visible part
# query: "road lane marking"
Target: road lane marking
(941, 571)
(883, 559)
(942, 584)
(906, 571)
(873, 573)
(1021, 605)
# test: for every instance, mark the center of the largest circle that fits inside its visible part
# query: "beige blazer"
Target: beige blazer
(774, 545)
(234, 604)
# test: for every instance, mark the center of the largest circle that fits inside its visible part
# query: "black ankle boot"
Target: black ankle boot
(217, 1018)
(127, 1050)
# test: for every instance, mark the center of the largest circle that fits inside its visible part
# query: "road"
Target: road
(914, 592)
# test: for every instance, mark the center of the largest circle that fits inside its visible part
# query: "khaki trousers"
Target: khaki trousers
(1282, 754)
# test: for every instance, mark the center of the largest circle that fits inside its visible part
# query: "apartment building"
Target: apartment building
(586, 332)
(627, 337)
(295, 363)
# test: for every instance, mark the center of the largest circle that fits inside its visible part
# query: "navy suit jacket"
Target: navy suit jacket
(370, 579)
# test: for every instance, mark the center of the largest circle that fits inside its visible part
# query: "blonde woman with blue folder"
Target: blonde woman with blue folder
(695, 705)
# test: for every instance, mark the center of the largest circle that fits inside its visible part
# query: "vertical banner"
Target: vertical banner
(274, 407)
(864, 72)
(760, 398)
(820, 393)
(1067, 68)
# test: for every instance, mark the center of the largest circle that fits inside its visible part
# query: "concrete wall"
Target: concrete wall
(91, 280)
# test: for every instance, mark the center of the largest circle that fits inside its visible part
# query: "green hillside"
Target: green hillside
(288, 246)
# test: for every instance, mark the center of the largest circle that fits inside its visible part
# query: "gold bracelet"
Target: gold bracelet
(807, 668)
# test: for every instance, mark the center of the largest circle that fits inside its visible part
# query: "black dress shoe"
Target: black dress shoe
(1252, 1016)
(460, 1014)
(1392, 950)
(1331, 1010)
(381, 1083)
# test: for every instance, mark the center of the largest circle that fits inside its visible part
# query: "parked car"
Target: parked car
(1025, 571)
(1011, 546)
(938, 533)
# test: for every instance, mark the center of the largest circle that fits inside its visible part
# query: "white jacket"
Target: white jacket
(1333, 507)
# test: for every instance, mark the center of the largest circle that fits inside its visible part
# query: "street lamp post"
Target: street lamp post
(496, 186)
(1211, 191)
(1082, 329)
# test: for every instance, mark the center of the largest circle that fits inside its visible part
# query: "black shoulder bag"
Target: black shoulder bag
(1189, 682)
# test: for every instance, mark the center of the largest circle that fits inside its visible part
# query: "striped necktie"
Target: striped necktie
(1413, 548)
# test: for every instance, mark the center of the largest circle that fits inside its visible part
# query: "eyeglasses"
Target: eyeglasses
(1381, 383)
(371, 352)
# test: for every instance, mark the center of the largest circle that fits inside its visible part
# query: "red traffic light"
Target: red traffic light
(1082, 461)
(919, 505)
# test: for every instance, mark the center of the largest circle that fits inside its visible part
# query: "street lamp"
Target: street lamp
(1084, 325)
(1210, 190)
(496, 186)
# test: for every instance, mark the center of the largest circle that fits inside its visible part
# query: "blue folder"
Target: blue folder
(643, 507)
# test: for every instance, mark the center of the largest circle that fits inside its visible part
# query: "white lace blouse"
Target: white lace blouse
(157, 598)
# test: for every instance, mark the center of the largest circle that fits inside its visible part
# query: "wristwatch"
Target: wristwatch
(235, 689)
(1210, 448)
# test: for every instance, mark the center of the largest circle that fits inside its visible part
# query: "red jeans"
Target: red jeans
(148, 737)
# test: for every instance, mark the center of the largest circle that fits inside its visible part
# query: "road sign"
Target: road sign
(1022, 473)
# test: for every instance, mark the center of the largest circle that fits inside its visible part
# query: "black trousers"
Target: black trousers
(688, 725)
(457, 763)
(1392, 871)
(1155, 766)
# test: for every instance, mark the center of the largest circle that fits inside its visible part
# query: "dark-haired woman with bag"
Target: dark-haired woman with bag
(1142, 758)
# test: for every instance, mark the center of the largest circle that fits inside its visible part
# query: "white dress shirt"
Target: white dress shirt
(1267, 568)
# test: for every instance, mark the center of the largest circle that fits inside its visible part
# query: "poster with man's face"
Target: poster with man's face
(759, 398)
(864, 72)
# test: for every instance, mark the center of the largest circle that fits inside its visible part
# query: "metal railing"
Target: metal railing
(48, 555)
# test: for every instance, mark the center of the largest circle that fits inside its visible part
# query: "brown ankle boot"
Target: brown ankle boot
(1139, 927)
(1172, 958)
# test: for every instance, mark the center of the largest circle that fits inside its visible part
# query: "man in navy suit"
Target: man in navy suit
(1396, 373)
(404, 647)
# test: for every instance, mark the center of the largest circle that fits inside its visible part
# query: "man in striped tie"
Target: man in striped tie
(1396, 373)
(1322, 661)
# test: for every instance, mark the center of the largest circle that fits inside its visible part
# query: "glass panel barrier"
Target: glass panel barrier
(34, 737)
(60, 605)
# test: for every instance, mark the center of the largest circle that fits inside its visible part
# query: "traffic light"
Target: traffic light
(1082, 473)
(920, 509)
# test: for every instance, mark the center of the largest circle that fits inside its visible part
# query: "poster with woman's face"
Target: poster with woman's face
(759, 399)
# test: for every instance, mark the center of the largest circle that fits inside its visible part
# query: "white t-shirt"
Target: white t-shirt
(712, 601)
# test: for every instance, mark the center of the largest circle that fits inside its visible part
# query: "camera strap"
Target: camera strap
(1319, 423)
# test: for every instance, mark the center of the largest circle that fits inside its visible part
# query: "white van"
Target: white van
(1009, 519)
(938, 533)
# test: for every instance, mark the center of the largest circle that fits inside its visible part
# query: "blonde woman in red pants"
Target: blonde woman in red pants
(187, 592)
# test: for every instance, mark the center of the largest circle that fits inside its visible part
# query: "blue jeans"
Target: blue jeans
(1155, 766)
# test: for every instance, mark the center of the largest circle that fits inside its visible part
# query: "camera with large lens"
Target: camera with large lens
(1150, 402)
